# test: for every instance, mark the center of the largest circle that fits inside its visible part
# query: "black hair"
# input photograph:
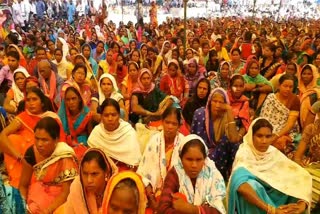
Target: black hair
(97, 156)
(261, 123)
(76, 91)
(39, 48)
(175, 65)
(171, 110)
(47, 105)
(307, 66)
(220, 41)
(14, 54)
(205, 80)
(247, 36)
(58, 49)
(131, 184)
(236, 77)
(110, 102)
(13, 37)
(50, 125)
(136, 65)
(75, 49)
(237, 50)
(286, 77)
(193, 143)
(79, 65)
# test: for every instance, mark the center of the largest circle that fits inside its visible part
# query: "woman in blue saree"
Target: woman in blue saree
(11, 200)
(76, 119)
(264, 180)
(87, 53)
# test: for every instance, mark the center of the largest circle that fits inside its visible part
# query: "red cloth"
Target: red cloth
(246, 50)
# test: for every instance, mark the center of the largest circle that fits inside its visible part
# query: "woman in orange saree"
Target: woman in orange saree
(54, 166)
(19, 134)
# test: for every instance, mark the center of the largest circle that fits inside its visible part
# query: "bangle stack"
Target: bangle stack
(271, 209)
(232, 122)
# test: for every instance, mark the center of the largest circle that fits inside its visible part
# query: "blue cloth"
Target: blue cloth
(237, 204)
(11, 201)
(63, 117)
(71, 10)
(40, 8)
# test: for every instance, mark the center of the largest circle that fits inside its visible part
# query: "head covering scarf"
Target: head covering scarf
(18, 94)
(271, 167)
(313, 83)
(209, 187)
(249, 59)
(112, 185)
(215, 134)
(141, 88)
(79, 200)
(115, 94)
(218, 81)
(259, 79)
(65, 48)
(22, 61)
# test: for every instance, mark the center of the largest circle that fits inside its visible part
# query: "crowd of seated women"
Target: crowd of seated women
(226, 129)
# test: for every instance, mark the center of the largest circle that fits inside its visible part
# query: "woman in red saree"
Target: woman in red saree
(54, 166)
(19, 134)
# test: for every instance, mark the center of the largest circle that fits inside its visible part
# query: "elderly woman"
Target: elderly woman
(193, 75)
(193, 185)
(260, 182)
(116, 137)
(54, 165)
(86, 194)
(216, 125)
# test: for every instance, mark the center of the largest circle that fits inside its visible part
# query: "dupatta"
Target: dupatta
(115, 180)
(18, 95)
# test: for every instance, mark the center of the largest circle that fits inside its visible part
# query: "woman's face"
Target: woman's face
(254, 70)
(235, 56)
(291, 69)
(202, 90)
(170, 126)
(193, 162)
(59, 44)
(116, 49)
(79, 76)
(297, 46)
(181, 51)
(306, 76)
(86, 52)
(267, 52)
(172, 70)
(120, 61)
(144, 50)
(262, 139)
(99, 48)
(106, 86)
(146, 80)
(237, 88)
(316, 61)
(135, 56)
(189, 54)
(58, 55)
(93, 176)
(73, 54)
(217, 46)
(51, 45)
(192, 69)
(110, 118)
(45, 144)
(286, 88)
(123, 200)
(72, 101)
(19, 79)
(278, 52)
(132, 45)
(217, 104)
(224, 72)
(33, 103)
(166, 48)
(133, 71)
(175, 55)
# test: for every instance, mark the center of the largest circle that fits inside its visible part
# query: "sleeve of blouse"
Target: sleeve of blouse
(171, 186)
(295, 105)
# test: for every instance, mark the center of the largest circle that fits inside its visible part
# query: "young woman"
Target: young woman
(236, 63)
(19, 134)
(193, 75)
(222, 79)
(63, 66)
(86, 194)
(124, 194)
(173, 82)
(54, 166)
(99, 52)
(269, 64)
(116, 137)
(160, 155)
(86, 51)
(198, 100)
(16, 93)
(107, 89)
(216, 125)
(308, 93)
(239, 104)
(148, 101)
(193, 185)
(76, 119)
(130, 83)
(221, 51)
(260, 182)
(281, 109)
